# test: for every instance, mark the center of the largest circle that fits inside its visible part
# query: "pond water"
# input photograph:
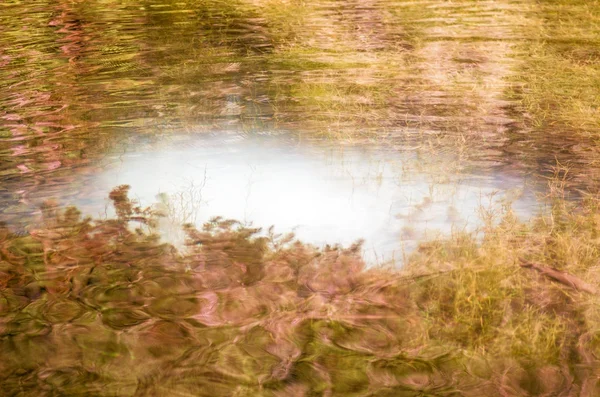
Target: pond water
(391, 130)
(386, 121)
(324, 193)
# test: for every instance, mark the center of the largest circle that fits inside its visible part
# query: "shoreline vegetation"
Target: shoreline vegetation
(102, 307)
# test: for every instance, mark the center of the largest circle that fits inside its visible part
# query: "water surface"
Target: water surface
(339, 120)
(325, 193)
(80, 82)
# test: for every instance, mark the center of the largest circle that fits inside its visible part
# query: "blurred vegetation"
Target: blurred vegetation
(76, 80)
(560, 75)
(554, 90)
(102, 307)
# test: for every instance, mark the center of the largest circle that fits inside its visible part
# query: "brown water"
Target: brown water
(340, 120)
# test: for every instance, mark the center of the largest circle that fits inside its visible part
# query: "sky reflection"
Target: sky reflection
(324, 193)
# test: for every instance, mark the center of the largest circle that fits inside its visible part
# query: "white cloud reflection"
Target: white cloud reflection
(327, 194)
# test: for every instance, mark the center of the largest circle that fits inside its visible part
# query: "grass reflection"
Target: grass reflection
(102, 307)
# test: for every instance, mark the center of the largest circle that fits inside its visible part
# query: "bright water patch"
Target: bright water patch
(325, 193)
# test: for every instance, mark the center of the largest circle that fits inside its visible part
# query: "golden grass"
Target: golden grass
(558, 84)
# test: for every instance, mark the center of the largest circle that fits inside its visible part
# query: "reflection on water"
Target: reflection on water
(325, 193)
(78, 82)
(402, 118)
(78, 78)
